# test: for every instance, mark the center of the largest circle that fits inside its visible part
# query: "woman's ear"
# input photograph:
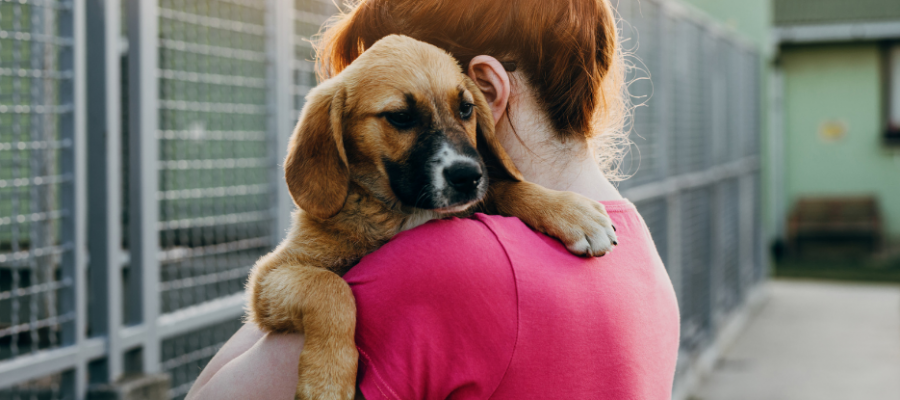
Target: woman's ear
(491, 78)
(316, 168)
(495, 158)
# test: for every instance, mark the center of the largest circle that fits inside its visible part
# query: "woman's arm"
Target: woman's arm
(251, 365)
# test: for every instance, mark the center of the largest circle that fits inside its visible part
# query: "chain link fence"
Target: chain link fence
(165, 121)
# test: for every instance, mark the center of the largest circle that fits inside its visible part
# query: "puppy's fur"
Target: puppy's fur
(385, 146)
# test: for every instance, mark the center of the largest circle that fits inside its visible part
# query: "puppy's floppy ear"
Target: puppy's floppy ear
(495, 157)
(316, 168)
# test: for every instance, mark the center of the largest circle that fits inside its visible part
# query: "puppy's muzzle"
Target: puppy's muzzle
(464, 177)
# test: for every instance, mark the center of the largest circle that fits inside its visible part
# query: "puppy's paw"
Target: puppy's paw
(327, 372)
(581, 224)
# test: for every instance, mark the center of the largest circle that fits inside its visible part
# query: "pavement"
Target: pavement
(814, 341)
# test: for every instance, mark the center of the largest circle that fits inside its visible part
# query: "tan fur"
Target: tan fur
(335, 174)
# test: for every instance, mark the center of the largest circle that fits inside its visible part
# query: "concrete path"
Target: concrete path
(814, 341)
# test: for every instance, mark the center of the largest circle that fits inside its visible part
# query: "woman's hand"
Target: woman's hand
(251, 365)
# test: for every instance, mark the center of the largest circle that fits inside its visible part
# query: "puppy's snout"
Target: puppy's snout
(463, 177)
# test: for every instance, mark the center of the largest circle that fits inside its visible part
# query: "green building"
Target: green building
(835, 104)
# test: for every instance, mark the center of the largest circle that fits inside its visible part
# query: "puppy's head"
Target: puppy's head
(402, 122)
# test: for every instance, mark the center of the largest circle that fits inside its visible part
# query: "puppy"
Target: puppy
(398, 138)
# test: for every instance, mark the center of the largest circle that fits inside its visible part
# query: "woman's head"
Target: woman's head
(566, 51)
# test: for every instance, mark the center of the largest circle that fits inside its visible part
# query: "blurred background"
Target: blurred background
(139, 181)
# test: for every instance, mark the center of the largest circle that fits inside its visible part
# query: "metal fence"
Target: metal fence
(695, 162)
(163, 121)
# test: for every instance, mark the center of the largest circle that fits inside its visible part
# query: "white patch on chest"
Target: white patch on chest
(419, 217)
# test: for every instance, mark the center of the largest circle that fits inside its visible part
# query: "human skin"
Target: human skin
(258, 365)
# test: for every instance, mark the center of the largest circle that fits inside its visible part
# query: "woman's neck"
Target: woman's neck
(544, 160)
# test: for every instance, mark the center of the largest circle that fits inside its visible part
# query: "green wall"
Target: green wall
(750, 18)
(840, 82)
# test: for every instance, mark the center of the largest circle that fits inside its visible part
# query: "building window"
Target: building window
(892, 133)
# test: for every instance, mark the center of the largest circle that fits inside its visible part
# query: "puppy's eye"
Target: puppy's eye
(401, 120)
(465, 110)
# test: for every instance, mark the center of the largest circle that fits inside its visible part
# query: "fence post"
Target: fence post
(281, 105)
(143, 93)
(77, 194)
(104, 138)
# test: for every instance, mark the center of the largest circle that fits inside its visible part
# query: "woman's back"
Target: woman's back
(485, 307)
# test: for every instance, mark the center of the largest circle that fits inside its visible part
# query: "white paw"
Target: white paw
(596, 244)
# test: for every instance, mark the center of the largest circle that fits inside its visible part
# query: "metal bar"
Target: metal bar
(32, 37)
(36, 73)
(202, 315)
(34, 217)
(225, 108)
(776, 158)
(187, 319)
(37, 109)
(79, 231)
(198, 134)
(692, 180)
(252, 216)
(211, 22)
(747, 232)
(716, 264)
(32, 366)
(836, 32)
(34, 181)
(104, 130)
(281, 51)
(36, 145)
(62, 5)
(143, 50)
(179, 254)
(216, 79)
(216, 51)
(227, 163)
(240, 190)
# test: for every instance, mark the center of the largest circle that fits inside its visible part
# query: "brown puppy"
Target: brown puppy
(385, 146)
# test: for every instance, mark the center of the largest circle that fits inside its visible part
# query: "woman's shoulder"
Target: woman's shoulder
(436, 304)
(450, 251)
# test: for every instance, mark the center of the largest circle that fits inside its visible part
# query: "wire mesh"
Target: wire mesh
(184, 356)
(215, 193)
(309, 16)
(45, 388)
(655, 214)
(728, 291)
(641, 40)
(34, 83)
(696, 300)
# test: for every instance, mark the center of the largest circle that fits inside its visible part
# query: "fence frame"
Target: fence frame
(71, 358)
(96, 123)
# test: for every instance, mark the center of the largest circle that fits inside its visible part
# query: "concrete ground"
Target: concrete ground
(814, 341)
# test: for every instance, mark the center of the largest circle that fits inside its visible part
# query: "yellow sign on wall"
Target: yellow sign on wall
(832, 130)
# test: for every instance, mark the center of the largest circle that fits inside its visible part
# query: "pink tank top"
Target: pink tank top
(485, 307)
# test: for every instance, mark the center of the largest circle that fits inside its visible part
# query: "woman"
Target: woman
(485, 307)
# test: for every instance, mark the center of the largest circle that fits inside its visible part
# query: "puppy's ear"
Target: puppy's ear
(498, 162)
(316, 168)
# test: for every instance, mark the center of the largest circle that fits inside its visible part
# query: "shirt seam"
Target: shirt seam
(380, 383)
(518, 309)
(623, 205)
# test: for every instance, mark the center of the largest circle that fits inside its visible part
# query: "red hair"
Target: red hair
(567, 50)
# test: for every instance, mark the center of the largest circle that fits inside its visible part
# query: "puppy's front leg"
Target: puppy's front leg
(319, 304)
(580, 223)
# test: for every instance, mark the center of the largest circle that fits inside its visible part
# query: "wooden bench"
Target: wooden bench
(834, 226)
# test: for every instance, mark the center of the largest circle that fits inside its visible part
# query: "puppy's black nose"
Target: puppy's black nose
(463, 177)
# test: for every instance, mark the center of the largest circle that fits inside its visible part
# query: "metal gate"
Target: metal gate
(148, 134)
